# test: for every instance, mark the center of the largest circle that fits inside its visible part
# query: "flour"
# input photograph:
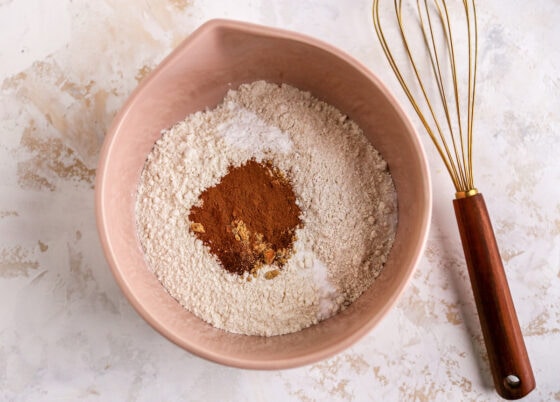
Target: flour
(343, 188)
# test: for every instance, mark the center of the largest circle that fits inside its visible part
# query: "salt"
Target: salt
(250, 133)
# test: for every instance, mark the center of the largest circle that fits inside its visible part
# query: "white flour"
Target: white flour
(342, 185)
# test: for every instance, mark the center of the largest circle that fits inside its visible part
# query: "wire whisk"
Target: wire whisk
(433, 54)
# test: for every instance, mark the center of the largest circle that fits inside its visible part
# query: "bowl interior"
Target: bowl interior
(218, 56)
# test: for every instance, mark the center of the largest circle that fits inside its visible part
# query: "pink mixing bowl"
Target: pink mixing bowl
(221, 55)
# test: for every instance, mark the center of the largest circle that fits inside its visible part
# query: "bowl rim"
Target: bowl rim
(101, 221)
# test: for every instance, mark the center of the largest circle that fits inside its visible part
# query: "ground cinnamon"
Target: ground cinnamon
(249, 218)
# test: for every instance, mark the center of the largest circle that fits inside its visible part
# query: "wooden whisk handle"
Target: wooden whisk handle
(509, 362)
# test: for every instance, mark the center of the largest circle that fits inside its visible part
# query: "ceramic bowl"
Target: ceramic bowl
(218, 56)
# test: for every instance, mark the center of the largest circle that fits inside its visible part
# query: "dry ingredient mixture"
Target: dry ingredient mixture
(267, 214)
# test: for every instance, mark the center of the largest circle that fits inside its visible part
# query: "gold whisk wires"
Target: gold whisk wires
(450, 131)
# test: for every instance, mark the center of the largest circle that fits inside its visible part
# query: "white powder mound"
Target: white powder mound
(342, 185)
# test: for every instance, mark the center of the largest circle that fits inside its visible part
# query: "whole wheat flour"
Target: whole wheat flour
(343, 188)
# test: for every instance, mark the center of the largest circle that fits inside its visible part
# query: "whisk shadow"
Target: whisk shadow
(455, 271)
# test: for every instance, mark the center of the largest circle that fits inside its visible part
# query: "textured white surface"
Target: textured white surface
(66, 331)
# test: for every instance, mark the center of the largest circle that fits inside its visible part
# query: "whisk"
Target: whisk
(445, 63)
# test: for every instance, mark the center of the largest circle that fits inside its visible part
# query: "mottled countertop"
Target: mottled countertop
(67, 332)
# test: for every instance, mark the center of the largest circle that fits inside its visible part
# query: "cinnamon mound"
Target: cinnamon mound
(248, 219)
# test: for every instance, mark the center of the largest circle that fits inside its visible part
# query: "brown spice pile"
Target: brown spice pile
(248, 219)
